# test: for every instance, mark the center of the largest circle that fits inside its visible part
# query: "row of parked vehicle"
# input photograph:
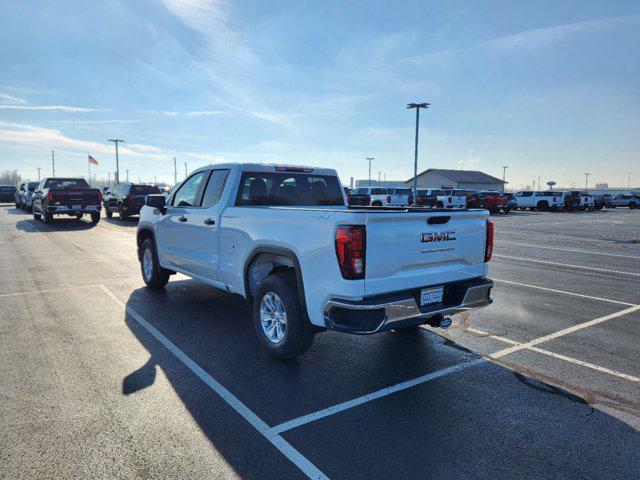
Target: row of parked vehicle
(75, 198)
(493, 201)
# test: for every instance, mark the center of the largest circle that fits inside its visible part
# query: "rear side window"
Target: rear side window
(144, 189)
(460, 192)
(403, 191)
(359, 191)
(293, 189)
(32, 186)
(378, 191)
(215, 185)
(438, 193)
(187, 195)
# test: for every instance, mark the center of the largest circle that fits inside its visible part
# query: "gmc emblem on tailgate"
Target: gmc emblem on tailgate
(437, 237)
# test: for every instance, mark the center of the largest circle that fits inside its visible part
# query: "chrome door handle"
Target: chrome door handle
(182, 219)
(209, 221)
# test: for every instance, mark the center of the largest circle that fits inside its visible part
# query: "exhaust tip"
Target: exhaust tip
(446, 322)
(439, 321)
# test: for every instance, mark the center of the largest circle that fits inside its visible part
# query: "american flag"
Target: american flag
(93, 160)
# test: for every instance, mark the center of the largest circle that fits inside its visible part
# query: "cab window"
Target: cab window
(187, 194)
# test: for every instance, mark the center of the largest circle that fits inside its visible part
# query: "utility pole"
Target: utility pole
(155, 181)
(38, 168)
(385, 176)
(629, 180)
(417, 106)
(586, 180)
(185, 170)
(127, 176)
(117, 176)
(175, 171)
(504, 170)
(53, 164)
(370, 159)
(15, 177)
(109, 178)
(379, 177)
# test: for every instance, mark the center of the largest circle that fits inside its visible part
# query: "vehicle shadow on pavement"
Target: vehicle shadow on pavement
(486, 421)
(122, 222)
(58, 225)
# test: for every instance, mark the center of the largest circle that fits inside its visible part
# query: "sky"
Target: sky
(550, 89)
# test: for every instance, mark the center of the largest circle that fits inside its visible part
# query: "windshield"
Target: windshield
(66, 183)
(32, 186)
(7, 188)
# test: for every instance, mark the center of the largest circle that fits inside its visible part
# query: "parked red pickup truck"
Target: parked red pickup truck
(66, 196)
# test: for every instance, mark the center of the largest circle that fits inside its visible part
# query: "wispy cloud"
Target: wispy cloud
(549, 36)
(60, 108)
(194, 113)
(202, 113)
(11, 98)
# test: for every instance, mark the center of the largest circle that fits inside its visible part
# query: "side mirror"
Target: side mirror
(157, 201)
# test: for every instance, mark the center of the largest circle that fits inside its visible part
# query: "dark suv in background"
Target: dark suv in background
(127, 199)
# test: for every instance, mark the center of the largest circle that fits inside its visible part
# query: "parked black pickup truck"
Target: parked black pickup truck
(7, 193)
(66, 196)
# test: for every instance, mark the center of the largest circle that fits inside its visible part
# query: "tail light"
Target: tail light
(488, 249)
(50, 196)
(388, 198)
(368, 198)
(420, 200)
(348, 198)
(449, 199)
(351, 251)
(129, 197)
(99, 196)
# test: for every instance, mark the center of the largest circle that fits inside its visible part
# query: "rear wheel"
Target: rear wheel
(543, 205)
(633, 205)
(108, 212)
(278, 317)
(78, 216)
(95, 217)
(47, 217)
(36, 216)
(121, 213)
(153, 274)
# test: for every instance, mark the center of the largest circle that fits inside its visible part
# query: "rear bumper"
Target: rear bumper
(386, 312)
(65, 209)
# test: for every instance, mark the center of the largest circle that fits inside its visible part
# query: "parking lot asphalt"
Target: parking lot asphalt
(103, 378)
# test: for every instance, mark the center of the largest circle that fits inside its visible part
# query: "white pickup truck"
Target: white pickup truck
(539, 200)
(284, 238)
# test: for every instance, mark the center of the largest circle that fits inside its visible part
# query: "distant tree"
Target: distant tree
(9, 177)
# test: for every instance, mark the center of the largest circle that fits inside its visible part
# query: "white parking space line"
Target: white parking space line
(341, 407)
(563, 249)
(590, 297)
(557, 264)
(565, 331)
(38, 292)
(299, 460)
(555, 355)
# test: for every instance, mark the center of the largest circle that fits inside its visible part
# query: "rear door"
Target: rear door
(413, 250)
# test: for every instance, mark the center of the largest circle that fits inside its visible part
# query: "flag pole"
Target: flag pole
(89, 163)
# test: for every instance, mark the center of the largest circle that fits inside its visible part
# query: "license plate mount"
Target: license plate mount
(431, 295)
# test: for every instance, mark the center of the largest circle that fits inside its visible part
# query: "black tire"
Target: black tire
(121, 213)
(506, 209)
(108, 213)
(159, 276)
(79, 216)
(47, 217)
(36, 216)
(95, 217)
(543, 206)
(29, 209)
(633, 205)
(299, 333)
(17, 205)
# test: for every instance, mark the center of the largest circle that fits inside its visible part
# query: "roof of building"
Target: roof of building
(463, 176)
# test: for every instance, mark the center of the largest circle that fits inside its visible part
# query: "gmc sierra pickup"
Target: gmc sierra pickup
(65, 196)
(284, 238)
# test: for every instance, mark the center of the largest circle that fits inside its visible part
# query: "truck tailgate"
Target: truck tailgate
(415, 249)
(75, 196)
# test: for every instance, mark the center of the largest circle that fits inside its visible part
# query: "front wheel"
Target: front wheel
(36, 216)
(279, 319)
(153, 274)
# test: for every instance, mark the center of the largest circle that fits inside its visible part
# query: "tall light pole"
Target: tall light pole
(109, 178)
(53, 164)
(15, 177)
(38, 168)
(379, 176)
(175, 171)
(117, 176)
(504, 170)
(417, 106)
(127, 176)
(185, 170)
(586, 180)
(370, 159)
